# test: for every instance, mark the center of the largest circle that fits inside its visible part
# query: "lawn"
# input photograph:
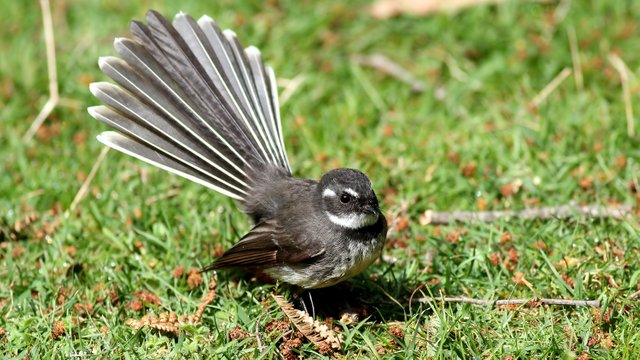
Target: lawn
(479, 137)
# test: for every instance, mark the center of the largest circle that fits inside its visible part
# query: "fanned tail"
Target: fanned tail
(193, 101)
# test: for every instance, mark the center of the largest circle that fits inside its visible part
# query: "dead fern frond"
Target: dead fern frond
(170, 322)
(318, 333)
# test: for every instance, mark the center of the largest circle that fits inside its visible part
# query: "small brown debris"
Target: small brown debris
(453, 157)
(610, 280)
(114, 296)
(290, 343)
(387, 130)
(238, 334)
(511, 261)
(494, 258)
(540, 245)
(170, 322)
(606, 342)
(621, 161)
(83, 308)
(597, 147)
(468, 170)
(278, 326)
(453, 236)
(17, 250)
(511, 188)
(178, 272)
(58, 330)
(135, 305)
(586, 183)
(218, 250)
(318, 333)
(85, 79)
(70, 250)
(80, 137)
(481, 204)
(194, 278)
(567, 279)
(401, 223)
(520, 279)
(397, 331)
(583, 356)
(167, 323)
(506, 238)
(147, 297)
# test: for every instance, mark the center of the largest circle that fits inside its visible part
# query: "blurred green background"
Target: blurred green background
(471, 141)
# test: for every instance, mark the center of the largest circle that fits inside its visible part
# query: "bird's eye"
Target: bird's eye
(345, 198)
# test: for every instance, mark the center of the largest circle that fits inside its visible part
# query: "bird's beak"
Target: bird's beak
(370, 208)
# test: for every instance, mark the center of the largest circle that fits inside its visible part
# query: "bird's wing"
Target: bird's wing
(268, 244)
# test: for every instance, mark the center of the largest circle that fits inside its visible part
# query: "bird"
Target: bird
(189, 99)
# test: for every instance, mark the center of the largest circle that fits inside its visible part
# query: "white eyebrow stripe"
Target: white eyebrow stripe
(353, 221)
(329, 192)
(351, 192)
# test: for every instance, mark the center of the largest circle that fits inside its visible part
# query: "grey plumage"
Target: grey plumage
(191, 100)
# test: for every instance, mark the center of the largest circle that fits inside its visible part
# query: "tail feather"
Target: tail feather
(145, 153)
(275, 106)
(224, 75)
(193, 102)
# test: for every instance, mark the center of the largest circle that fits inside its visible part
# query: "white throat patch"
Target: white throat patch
(353, 221)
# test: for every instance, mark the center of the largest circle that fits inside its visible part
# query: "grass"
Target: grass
(460, 145)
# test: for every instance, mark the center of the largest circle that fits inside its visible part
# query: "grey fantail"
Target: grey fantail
(191, 100)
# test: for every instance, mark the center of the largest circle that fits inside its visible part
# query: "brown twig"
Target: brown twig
(85, 185)
(206, 300)
(319, 334)
(623, 71)
(170, 322)
(563, 211)
(467, 300)
(383, 9)
(575, 59)
(634, 296)
(550, 87)
(290, 87)
(54, 96)
(167, 195)
(387, 66)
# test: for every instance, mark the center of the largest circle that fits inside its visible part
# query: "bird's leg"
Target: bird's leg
(298, 295)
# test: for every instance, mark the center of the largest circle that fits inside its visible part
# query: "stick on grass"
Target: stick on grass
(467, 300)
(387, 66)
(555, 212)
(550, 87)
(623, 71)
(54, 96)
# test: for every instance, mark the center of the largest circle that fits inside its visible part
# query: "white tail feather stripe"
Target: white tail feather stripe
(240, 110)
(95, 113)
(253, 54)
(238, 81)
(193, 111)
(94, 87)
(276, 111)
(106, 138)
(244, 72)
